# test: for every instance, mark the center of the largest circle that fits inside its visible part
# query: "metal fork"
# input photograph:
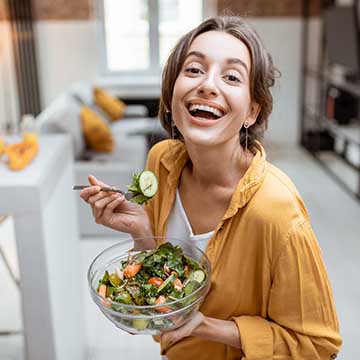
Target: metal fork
(128, 194)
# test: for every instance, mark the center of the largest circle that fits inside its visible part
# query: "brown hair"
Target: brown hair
(262, 74)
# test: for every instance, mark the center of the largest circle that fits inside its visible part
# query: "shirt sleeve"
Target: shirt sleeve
(301, 322)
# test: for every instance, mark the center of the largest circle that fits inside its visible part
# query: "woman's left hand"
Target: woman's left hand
(169, 338)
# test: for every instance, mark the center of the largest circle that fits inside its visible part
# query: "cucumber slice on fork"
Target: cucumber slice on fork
(148, 183)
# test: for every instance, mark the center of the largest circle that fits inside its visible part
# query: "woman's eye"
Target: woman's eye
(193, 70)
(232, 78)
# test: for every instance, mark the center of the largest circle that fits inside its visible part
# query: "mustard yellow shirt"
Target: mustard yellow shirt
(267, 270)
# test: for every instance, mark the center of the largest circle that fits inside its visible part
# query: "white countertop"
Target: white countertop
(17, 188)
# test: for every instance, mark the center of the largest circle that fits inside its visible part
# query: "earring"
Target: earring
(246, 126)
(172, 129)
(172, 125)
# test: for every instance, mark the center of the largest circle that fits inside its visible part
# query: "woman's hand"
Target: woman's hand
(114, 211)
(205, 327)
(169, 338)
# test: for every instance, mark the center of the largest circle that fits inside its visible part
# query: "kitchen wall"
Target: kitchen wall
(266, 8)
(67, 49)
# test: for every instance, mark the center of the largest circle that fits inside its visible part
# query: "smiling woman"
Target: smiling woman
(247, 215)
(254, 68)
(270, 296)
(218, 82)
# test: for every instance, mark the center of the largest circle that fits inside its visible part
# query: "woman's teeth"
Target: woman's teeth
(216, 112)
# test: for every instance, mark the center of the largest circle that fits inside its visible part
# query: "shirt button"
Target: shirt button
(333, 356)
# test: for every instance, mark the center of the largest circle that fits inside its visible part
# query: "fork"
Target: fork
(128, 194)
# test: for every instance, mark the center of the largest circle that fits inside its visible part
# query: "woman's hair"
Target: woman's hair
(262, 74)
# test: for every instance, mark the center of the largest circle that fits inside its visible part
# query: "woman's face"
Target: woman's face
(211, 98)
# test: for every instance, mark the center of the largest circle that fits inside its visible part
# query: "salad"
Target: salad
(155, 277)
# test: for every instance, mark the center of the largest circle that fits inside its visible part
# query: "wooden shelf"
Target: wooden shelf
(350, 133)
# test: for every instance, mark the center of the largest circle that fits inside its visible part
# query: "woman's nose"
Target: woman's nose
(208, 87)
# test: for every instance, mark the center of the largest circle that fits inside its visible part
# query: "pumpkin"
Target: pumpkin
(21, 154)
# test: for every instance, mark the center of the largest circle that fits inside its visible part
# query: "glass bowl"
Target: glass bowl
(147, 319)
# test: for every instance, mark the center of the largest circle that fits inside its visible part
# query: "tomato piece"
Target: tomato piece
(102, 291)
(161, 300)
(131, 270)
(156, 281)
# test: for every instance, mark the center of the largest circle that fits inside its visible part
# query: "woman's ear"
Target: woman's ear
(254, 113)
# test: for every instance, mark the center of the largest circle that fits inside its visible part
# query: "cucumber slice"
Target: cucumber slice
(197, 275)
(191, 287)
(148, 183)
(165, 284)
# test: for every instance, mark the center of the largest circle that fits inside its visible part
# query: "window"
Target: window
(138, 35)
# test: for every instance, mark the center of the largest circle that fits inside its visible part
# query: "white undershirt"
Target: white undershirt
(180, 227)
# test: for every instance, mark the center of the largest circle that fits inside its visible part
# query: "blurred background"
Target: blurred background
(79, 94)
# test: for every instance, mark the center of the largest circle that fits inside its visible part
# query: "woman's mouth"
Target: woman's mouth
(203, 112)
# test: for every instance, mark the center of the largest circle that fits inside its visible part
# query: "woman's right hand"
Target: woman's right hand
(114, 211)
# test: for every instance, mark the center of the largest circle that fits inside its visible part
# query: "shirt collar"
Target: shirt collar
(175, 160)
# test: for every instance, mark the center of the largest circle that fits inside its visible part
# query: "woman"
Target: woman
(270, 296)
